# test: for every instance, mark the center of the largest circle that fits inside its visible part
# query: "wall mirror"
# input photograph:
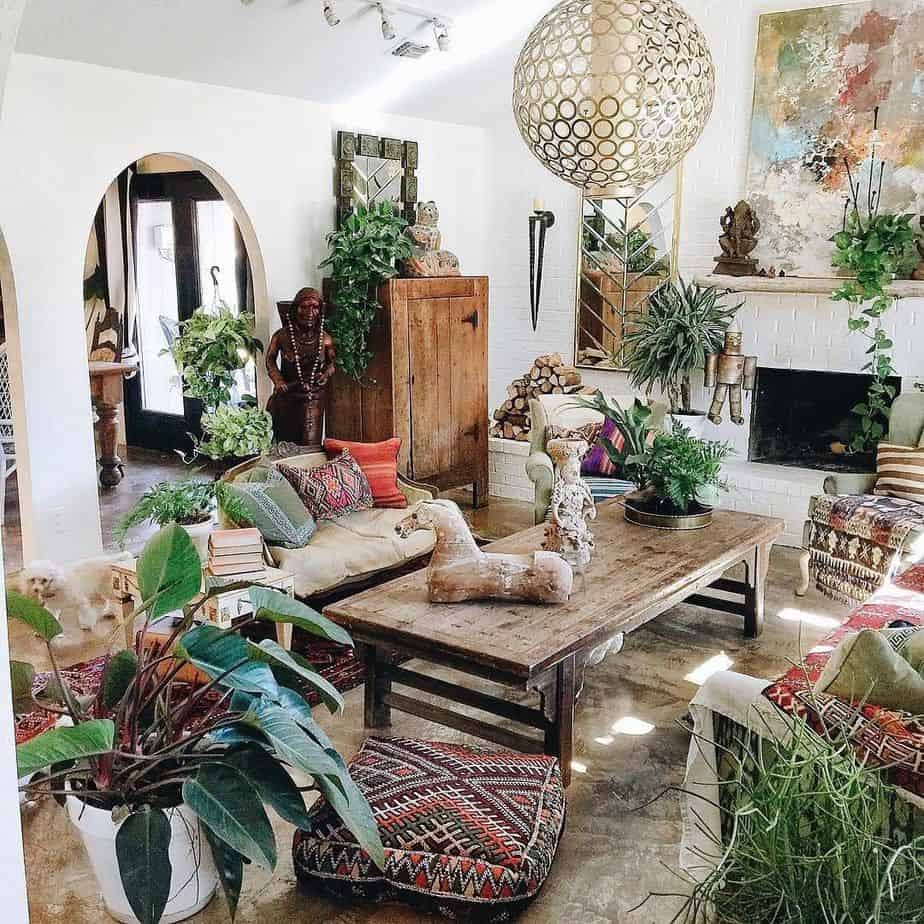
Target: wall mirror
(371, 170)
(627, 252)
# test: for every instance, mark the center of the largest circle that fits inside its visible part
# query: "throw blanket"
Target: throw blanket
(856, 542)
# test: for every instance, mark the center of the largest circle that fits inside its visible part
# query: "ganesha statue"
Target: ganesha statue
(427, 259)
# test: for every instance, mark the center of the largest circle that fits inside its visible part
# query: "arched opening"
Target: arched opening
(170, 240)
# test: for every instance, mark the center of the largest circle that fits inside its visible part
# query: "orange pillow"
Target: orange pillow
(379, 463)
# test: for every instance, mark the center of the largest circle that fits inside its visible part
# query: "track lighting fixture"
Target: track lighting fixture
(330, 15)
(388, 30)
(441, 31)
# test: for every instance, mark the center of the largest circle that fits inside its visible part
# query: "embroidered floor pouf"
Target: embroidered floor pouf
(468, 832)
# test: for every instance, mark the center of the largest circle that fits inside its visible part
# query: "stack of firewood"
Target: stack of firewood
(547, 376)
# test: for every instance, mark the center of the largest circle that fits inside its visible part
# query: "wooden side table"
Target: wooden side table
(221, 610)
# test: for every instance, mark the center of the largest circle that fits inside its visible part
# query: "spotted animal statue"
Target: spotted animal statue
(427, 259)
(460, 571)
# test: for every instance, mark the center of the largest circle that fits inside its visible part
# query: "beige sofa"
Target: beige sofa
(353, 548)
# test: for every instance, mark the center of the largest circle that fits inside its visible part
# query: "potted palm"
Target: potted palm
(168, 784)
(684, 323)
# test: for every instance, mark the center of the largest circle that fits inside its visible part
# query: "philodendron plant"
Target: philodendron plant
(146, 744)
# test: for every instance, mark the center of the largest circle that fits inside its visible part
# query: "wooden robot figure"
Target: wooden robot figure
(730, 373)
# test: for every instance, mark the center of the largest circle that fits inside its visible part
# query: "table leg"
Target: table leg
(284, 634)
(126, 607)
(756, 579)
(559, 739)
(377, 713)
(111, 470)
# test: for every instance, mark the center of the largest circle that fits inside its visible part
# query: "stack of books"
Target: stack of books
(237, 555)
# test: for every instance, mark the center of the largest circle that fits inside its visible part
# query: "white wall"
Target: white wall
(68, 129)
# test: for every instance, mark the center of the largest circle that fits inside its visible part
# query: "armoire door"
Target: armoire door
(468, 383)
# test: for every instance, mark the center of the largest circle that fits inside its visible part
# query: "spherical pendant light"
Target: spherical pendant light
(611, 94)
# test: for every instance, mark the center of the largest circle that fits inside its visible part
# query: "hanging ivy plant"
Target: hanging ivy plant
(363, 253)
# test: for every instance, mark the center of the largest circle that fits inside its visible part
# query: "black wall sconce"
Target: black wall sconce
(539, 223)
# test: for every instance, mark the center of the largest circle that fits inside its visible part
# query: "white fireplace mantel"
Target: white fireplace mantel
(799, 285)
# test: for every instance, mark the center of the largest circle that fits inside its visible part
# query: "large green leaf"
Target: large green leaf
(298, 708)
(274, 606)
(169, 570)
(225, 800)
(120, 672)
(274, 653)
(21, 676)
(351, 805)
(274, 784)
(33, 614)
(143, 851)
(58, 744)
(230, 868)
(215, 651)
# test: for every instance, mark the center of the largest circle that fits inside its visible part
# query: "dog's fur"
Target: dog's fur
(77, 595)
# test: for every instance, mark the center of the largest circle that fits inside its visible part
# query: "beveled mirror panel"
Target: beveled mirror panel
(627, 251)
(372, 169)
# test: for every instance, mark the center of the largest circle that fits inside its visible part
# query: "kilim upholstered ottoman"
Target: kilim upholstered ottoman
(470, 833)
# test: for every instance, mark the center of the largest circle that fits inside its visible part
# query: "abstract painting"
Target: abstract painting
(820, 74)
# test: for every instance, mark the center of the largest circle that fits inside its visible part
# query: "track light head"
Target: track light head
(330, 15)
(441, 31)
(388, 30)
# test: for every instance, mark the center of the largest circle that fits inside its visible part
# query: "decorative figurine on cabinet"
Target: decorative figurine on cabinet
(729, 372)
(572, 506)
(427, 258)
(301, 376)
(740, 227)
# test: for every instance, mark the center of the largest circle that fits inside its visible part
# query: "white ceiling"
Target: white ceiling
(285, 47)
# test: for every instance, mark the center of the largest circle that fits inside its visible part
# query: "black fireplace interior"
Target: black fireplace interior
(797, 415)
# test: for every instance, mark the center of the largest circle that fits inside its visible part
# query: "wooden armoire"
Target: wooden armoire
(427, 383)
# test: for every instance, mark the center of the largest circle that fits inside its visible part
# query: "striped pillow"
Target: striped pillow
(379, 462)
(900, 471)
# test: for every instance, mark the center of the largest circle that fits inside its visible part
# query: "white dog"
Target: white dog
(76, 595)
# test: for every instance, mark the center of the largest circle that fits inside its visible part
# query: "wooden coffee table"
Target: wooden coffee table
(636, 574)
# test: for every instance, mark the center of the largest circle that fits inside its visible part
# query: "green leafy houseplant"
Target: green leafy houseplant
(683, 324)
(187, 502)
(225, 750)
(877, 249)
(212, 345)
(235, 432)
(363, 253)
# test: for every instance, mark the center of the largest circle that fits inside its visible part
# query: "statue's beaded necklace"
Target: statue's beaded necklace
(312, 384)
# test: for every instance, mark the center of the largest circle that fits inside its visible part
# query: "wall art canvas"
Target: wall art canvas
(820, 74)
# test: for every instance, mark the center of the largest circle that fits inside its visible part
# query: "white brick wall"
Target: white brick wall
(507, 469)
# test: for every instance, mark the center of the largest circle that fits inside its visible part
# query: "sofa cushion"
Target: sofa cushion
(563, 412)
(467, 831)
(330, 490)
(900, 471)
(597, 462)
(379, 462)
(274, 508)
(350, 548)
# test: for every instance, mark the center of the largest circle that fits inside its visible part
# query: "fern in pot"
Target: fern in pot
(167, 783)
(683, 324)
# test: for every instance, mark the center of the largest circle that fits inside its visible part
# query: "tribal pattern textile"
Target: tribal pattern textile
(881, 737)
(469, 832)
(856, 542)
(331, 490)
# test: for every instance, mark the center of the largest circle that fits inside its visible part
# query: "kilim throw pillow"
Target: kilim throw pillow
(900, 471)
(470, 833)
(597, 461)
(379, 462)
(331, 490)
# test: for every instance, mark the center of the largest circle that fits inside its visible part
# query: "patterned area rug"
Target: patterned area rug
(334, 662)
(856, 542)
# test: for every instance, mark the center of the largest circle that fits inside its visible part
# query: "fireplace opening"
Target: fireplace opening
(796, 417)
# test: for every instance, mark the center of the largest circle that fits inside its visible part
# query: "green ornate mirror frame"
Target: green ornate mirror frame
(372, 169)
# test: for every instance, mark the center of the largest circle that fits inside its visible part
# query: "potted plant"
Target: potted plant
(684, 323)
(213, 344)
(168, 784)
(189, 503)
(363, 253)
(232, 434)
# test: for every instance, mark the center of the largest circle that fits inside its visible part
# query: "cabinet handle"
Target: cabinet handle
(471, 319)
(472, 431)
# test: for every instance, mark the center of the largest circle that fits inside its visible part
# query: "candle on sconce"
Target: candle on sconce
(538, 205)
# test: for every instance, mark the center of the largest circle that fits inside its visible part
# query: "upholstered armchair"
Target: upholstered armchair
(561, 411)
(840, 540)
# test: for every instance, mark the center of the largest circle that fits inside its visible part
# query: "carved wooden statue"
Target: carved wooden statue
(300, 360)
(460, 571)
(729, 372)
(740, 227)
(427, 258)
(572, 506)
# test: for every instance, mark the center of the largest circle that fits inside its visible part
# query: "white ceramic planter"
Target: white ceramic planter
(199, 533)
(695, 423)
(194, 879)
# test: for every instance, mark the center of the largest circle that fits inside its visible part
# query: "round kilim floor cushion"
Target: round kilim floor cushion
(468, 832)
